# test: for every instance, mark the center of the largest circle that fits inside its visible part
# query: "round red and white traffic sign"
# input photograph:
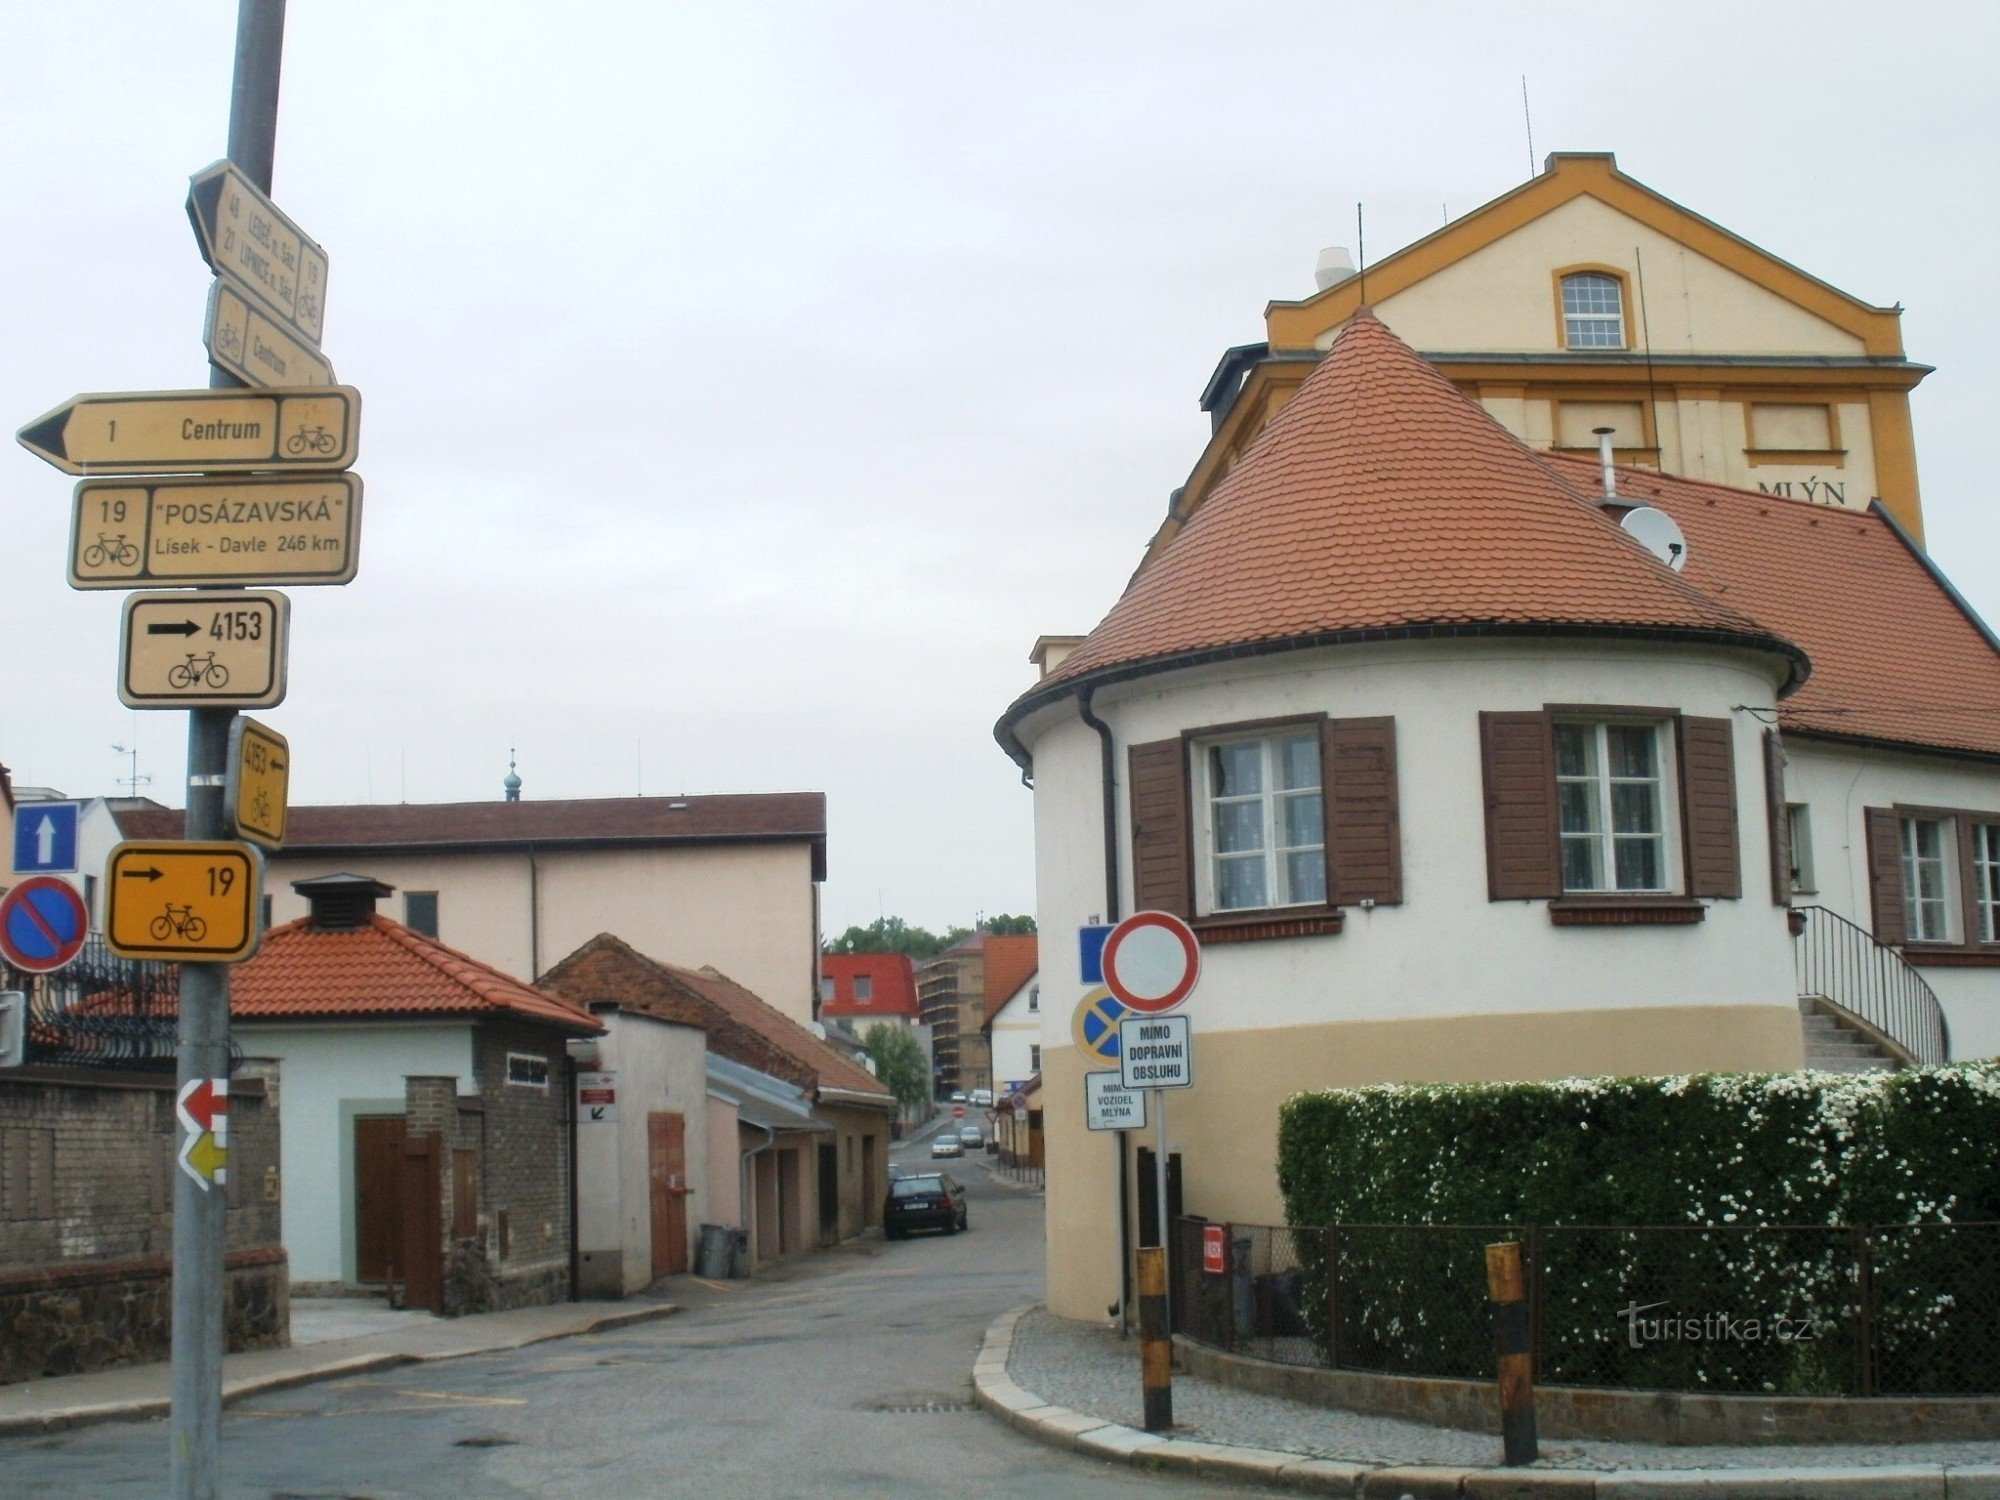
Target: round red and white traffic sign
(1151, 961)
(958, 1111)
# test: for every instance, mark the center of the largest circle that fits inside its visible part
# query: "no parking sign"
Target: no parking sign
(43, 923)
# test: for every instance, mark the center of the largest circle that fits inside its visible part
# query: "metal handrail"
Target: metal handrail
(1842, 963)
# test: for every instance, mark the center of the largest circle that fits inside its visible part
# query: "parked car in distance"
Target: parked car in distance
(928, 1201)
(945, 1145)
(897, 1171)
(958, 1096)
(983, 1096)
(971, 1135)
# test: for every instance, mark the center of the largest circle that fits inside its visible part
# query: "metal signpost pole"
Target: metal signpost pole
(201, 1210)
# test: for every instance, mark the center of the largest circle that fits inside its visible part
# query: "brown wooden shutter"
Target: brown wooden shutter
(1364, 838)
(1885, 872)
(1162, 861)
(1522, 860)
(1708, 806)
(1775, 813)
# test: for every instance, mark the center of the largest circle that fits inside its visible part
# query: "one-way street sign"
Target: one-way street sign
(248, 241)
(45, 838)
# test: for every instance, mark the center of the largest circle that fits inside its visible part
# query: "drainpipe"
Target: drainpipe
(569, 1111)
(534, 918)
(1110, 777)
(746, 1202)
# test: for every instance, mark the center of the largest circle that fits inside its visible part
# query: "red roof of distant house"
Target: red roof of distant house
(380, 971)
(1896, 657)
(760, 817)
(1010, 963)
(892, 985)
(741, 1026)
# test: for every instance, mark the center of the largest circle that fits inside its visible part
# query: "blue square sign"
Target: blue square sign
(1090, 952)
(45, 838)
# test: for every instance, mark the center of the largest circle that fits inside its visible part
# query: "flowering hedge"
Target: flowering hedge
(1730, 1157)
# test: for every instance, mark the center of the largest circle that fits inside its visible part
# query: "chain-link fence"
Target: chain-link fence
(100, 1011)
(1902, 1310)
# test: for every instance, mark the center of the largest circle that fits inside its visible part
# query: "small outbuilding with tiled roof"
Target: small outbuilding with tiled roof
(1456, 779)
(426, 1146)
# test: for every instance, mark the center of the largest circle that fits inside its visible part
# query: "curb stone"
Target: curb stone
(1005, 1399)
(148, 1408)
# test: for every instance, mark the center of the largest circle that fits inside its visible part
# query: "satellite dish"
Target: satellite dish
(1659, 534)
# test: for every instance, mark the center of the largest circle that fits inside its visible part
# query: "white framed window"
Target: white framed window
(1798, 828)
(1034, 1057)
(1263, 823)
(527, 1070)
(1034, 999)
(1927, 875)
(1612, 806)
(1593, 311)
(1986, 879)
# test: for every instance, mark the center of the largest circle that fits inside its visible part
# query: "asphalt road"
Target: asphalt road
(844, 1374)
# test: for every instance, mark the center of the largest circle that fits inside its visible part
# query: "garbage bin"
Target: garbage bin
(714, 1257)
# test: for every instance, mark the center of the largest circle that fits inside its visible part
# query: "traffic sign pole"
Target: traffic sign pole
(201, 1216)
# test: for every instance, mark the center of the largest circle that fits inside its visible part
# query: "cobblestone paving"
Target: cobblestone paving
(1092, 1370)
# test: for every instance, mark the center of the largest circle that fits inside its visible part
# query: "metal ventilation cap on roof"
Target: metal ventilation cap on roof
(1658, 533)
(1335, 266)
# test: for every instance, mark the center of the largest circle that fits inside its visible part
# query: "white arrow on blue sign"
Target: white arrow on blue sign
(45, 838)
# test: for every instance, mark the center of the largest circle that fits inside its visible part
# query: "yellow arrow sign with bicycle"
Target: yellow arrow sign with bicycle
(198, 902)
(200, 432)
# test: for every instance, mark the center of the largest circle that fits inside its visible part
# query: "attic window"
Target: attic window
(527, 1070)
(1593, 306)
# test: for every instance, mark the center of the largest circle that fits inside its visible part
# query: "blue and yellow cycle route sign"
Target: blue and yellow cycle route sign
(1095, 1027)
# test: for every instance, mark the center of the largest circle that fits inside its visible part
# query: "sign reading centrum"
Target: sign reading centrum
(265, 528)
(254, 348)
(1155, 1052)
(199, 432)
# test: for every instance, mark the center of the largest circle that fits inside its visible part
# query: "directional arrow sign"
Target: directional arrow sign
(251, 244)
(200, 432)
(264, 528)
(204, 650)
(204, 1105)
(256, 349)
(191, 901)
(257, 788)
(45, 838)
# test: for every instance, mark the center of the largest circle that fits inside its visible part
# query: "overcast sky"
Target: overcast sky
(747, 385)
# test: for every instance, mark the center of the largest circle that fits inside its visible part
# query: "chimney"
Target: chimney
(1335, 266)
(341, 903)
(1605, 465)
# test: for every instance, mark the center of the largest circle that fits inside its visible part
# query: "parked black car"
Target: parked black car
(929, 1201)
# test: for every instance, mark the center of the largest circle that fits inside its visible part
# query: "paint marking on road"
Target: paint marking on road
(717, 1286)
(459, 1400)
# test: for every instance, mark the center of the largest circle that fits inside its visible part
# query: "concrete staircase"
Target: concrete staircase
(1835, 1045)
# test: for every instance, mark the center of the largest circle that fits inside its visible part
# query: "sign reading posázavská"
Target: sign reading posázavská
(1109, 1105)
(1155, 1052)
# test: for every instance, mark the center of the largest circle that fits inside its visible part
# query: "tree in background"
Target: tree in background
(900, 1063)
(894, 935)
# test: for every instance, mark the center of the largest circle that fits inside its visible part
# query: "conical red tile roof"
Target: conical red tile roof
(1382, 503)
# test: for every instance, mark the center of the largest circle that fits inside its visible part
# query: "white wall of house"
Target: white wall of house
(658, 1066)
(746, 909)
(331, 1075)
(1017, 1034)
(1837, 783)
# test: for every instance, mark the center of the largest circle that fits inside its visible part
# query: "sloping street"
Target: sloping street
(843, 1374)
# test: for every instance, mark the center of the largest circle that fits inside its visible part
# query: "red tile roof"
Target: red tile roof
(591, 821)
(1380, 503)
(1010, 963)
(740, 1026)
(381, 971)
(1895, 657)
(892, 985)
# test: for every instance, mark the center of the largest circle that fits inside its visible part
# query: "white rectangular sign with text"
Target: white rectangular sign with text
(1109, 1105)
(1155, 1052)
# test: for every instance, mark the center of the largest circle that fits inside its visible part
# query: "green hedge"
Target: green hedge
(1669, 1191)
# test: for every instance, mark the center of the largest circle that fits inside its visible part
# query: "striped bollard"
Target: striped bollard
(1156, 1348)
(1507, 1290)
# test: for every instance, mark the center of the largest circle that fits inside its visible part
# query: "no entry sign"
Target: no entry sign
(43, 923)
(1152, 961)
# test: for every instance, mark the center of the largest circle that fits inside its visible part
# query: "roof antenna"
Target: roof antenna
(1361, 253)
(133, 782)
(1529, 118)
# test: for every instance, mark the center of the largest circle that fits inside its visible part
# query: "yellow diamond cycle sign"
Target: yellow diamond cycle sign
(263, 528)
(200, 432)
(198, 902)
(257, 786)
(204, 650)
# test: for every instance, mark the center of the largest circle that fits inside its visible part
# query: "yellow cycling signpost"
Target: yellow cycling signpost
(199, 432)
(258, 790)
(184, 902)
(262, 528)
(188, 649)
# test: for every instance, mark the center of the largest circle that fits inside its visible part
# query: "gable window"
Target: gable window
(1264, 824)
(864, 987)
(420, 912)
(1593, 306)
(1034, 999)
(1611, 807)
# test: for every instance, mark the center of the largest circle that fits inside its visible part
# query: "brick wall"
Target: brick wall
(86, 1218)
